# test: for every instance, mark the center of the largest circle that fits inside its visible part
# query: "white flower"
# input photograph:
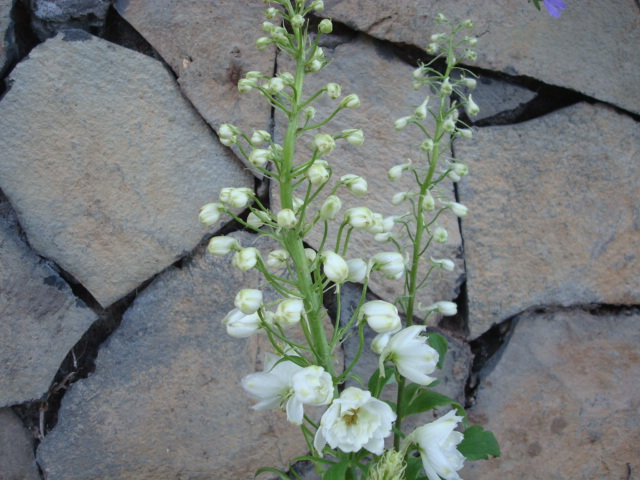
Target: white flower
(287, 219)
(401, 123)
(246, 85)
(260, 136)
(272, 386)
(222, 245)
(399, 197)
(472, 108)
(350, 101)
(444, 307)
(289, 312)
(236, 197)
(458, 209)
(330, 208)
(246, 258)
(324, 143)
(444, 264)
(277, 259)
(256, 219)
(335, 268)
(318, 173)
(379, 342)
(356, 185)
(359, 217)
(381, 316)
(437, 442)
(411, 354)
(333, 90)
(227, 134)
(210, 213)
(311, 386)
(440, 235)
(240, 325)
(263, 42)
(248, 300)
(259, 157)
(460, 169)
(390, 264)
(354, 136)
(354, 421)
(395, 173)
(357, 270)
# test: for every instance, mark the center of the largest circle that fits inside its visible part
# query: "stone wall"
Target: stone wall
(114, 362)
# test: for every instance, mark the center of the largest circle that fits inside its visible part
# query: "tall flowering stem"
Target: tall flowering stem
(299, 376)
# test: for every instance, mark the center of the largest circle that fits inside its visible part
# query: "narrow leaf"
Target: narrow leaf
(280, 474)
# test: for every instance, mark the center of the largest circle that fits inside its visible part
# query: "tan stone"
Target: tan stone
(165, 400)
(106, 163)
(554, 213)
(518, 40)
(562, 399)
(383, 83)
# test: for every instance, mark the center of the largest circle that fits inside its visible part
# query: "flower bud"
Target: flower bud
(471, 41)
(267, 27)
(453, 176)
(390, 264)
(427, 145)
(260, 136)
(259, 157)
(248, 300)
(379, 342)
(449, 125)
(246, 258)
(240, 325)
(465, 133)
(277, 259)
(350, 101)
(401, 123)
(314, 65)
(357, 270)
(432, 48)
(444, 264)
(468, 23)
(381, 316)
(287, 219)
(419, 73)
(333, 90)
(289, 312)
(445, 88)
(356, 185)
(330, 208)
(324, 143)
(227, 134)
(395, 173)
(421, 112)
(222, 245)
(458, 209)
(325, 26)
(256, 220)
(399, 197)
(353, 136)
(318, 173)
(460, 169)
(428, 203)
(359, 217)
(310, 254)
(263, 43)
(318, 5)
(275, 85)
(440, 235)
(298, 203)
(472, 108)
(271, 13)
(471, 55)
(382, 237)
(297, 21)
(440, 18)
(236, 197)
(378, 225)
(470, 83)
(445, 308)
(246, 85)
(335, 268)
(309, 113)
(210, 213)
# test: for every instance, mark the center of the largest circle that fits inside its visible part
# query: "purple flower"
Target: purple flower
(554, 7)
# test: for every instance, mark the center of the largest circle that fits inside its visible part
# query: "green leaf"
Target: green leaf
(376, 382)
(537, 4)
(280, 474)
(336, 472)
(440, 345)
(478, 444)
(418, 399)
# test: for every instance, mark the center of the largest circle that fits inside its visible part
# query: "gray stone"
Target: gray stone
(592, 48)
(17, 461)
(209, 46)
(383, 83)
(495, 97)
(40, 319)
(106, 163)
(555, 218)
(51, 16)
(165, 400)
(7, 42)
(563, 399)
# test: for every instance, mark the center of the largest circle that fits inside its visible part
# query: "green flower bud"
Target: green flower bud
(325, 26)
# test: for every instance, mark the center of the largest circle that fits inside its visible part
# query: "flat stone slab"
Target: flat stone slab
(17, 461)
(165, 400)
(209, 46)
(106, 163)
(518, 40)
(370, 69)
(562, 399)
(555, 217)
(40, 319)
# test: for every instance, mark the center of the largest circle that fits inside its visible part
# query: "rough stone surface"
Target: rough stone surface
(563, 401)
(40, 319)
(518, 40)
(17, 461)
(370, 70)
(165, 400)
(555, 214)
(7, 41)
(206, 54)
(495, 97)
(106, 163)
(50, 16)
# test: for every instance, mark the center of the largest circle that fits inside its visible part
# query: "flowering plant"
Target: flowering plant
(349, 440)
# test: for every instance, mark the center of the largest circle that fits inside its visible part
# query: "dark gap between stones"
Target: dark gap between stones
(117, 30)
